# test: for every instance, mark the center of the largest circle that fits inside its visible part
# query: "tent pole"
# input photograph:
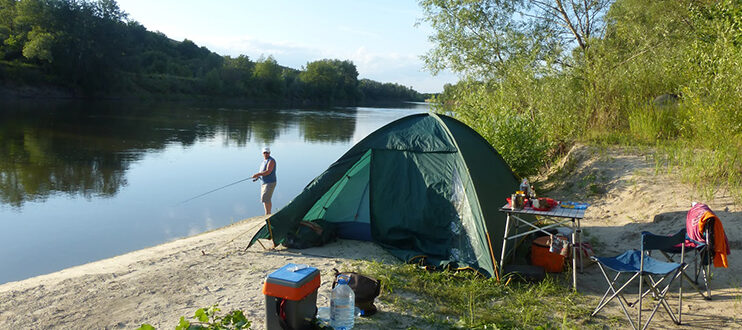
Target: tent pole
(492, 254)
(270, 231)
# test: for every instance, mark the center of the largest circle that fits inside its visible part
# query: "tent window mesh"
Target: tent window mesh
(462, 251)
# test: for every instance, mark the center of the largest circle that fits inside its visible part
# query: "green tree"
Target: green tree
(483, 38)
(268, 73)
(329, 81)
(7, 16)
(39, 45)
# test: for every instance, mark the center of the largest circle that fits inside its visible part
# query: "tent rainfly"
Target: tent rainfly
(424, 186)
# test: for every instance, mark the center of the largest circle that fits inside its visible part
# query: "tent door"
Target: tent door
(346, 203)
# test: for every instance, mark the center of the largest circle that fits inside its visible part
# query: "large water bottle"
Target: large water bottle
(342, 305)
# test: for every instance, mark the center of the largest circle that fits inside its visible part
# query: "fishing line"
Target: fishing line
(220, 188)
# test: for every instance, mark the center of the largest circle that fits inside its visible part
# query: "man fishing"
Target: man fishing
(268, 175)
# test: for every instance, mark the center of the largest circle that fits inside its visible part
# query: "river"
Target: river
(84, 181)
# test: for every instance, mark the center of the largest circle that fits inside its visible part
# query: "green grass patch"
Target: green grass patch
(447, 299)
(715, 170)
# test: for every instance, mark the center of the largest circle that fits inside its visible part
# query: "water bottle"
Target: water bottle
(342, 305)
(524, 187)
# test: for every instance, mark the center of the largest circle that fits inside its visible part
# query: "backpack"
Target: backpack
(366, 289)
(311, 234)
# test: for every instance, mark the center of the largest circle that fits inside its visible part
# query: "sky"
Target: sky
(380, 36)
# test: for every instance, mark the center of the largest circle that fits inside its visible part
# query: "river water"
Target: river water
(84, 181)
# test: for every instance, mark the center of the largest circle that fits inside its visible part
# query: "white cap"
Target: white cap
(266, 149)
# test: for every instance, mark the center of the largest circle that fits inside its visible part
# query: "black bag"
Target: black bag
(366, 289)
(311, 234)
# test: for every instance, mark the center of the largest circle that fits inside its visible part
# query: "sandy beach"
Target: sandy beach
(160, 284)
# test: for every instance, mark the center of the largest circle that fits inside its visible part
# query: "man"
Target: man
(268, 175)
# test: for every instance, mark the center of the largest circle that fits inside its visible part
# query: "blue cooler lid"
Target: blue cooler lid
(292, 275)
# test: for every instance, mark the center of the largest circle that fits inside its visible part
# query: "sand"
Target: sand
(160, 284)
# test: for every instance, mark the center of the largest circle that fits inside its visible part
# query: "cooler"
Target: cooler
(291, 297)
(540, 256)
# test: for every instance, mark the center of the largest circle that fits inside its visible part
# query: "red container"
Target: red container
(540, 256)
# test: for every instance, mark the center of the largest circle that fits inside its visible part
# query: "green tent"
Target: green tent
(424, 186)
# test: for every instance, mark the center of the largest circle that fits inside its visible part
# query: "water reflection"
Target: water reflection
(85, 149)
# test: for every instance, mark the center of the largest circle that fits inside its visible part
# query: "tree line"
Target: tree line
(93, 48)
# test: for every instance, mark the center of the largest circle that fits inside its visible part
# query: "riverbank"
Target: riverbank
(160, 284)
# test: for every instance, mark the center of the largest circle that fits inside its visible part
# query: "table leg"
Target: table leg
(504, 243)
(579, 240)
(574, 254)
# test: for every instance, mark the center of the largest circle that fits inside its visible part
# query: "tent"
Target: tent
(424, 186)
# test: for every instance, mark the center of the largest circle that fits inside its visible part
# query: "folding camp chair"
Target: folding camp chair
(702, 259)
(638, 264)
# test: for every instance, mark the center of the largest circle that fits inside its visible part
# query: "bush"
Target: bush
(209, 319)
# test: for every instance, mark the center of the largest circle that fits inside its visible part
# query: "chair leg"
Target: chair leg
(698, 270)
(661, 296)
(707, 273)
(611, 287)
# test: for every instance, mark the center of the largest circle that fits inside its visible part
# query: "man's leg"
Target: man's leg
(266, 194)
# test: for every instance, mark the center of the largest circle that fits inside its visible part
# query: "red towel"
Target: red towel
(695, 223)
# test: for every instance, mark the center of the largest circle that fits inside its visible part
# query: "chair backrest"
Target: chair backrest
(692, 219)
(660, 242)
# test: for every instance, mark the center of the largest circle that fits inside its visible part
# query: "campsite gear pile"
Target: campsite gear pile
(703, 238)
(366, 289)
(550, 252)
(291, 297)
(522, 238)
(424, 186)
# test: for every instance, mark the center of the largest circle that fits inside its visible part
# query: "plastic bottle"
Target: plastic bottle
(342, 305)
(524, 187)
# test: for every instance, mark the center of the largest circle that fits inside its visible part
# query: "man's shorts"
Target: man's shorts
(266, 192)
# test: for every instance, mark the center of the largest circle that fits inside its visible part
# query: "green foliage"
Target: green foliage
(209, 319)
(39, 45)
(491, 111)
(374, 91)
(331, 80)
(91, 46)
(604, 87)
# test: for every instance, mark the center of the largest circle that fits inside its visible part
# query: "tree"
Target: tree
(268, 73)
(483, 38)
(39, 45)
(331, 80)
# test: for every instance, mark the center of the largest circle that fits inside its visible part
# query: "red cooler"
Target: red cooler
(540, 256)
(291, 297)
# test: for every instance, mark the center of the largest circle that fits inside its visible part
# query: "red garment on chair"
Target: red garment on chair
(695, 223)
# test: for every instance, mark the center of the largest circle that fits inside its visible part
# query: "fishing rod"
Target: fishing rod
(220, 188)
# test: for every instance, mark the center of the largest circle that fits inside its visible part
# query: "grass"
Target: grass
(448, 299)
(711, 164)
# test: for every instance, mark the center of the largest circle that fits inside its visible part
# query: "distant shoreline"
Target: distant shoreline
(20, 93)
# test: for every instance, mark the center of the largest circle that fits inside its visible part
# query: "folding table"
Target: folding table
(561, 216)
